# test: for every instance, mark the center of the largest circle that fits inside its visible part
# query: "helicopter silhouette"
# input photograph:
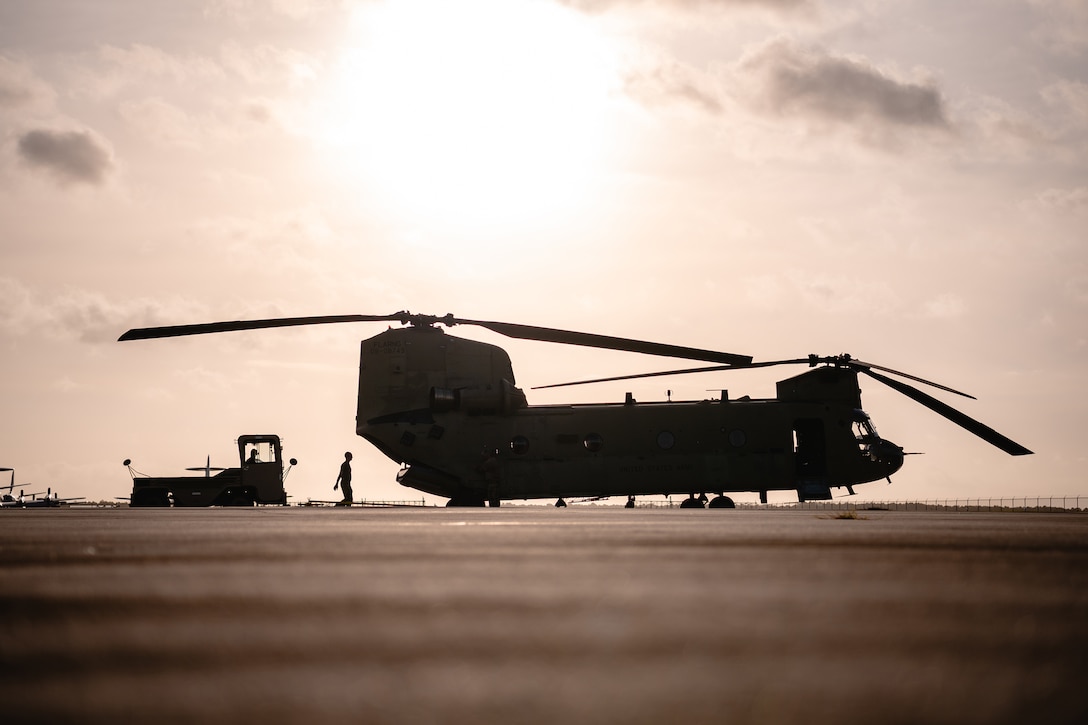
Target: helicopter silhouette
(448, 411)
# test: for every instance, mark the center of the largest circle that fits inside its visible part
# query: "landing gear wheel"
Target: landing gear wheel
(691, 503)
(630, 502)
(721, 502)
(153, 498)
(560, 504)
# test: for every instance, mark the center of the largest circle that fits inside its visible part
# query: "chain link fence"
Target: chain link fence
(1036, 504)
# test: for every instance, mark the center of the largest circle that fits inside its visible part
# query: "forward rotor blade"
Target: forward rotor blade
(711, 369)
(983, 431)
(148, 333)
(914, 378)
(606, 342)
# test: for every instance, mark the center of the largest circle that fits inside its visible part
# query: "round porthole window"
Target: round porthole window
(737, 438)
(593, 442)
(665, 440)
(519, 445)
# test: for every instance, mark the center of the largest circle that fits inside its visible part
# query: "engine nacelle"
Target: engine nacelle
(502, 399)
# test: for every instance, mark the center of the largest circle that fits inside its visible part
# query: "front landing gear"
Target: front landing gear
(721, 502)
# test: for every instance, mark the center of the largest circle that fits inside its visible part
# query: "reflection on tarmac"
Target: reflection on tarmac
(542, 615)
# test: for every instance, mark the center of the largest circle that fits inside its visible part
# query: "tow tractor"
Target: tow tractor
(257, 480)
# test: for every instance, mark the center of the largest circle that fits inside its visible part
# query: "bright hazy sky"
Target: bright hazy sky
(904, 181)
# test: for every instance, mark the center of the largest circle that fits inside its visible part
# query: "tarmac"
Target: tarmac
(588, 614)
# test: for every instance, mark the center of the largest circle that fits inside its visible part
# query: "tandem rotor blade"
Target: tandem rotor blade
(149, 333)
(966, 422)
(912, 377)
(711, 369)
(525, 332)
(606, 342)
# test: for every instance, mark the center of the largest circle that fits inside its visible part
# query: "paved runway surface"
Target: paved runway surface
(541, 615)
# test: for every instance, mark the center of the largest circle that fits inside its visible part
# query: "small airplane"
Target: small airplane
(49, 497)
(207, 468)
(7, 500)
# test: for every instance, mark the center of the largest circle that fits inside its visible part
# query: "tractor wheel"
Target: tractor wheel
(149, 497)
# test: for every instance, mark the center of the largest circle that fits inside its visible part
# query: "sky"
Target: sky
(903, 181)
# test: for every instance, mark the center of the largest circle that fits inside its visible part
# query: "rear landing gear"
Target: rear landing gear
(721, 502)
(560, 504)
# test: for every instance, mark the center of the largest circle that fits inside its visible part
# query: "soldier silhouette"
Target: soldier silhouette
(343, 481)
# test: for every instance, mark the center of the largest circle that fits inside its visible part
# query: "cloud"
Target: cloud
(945, 306)
(1064, 25)
(161, 121)
(269, 65)
(1068, 101)
(819, 293)
(68, 156)
(82, 315)
(245, 11)
(20, 88)
(787, 80)
(655, 82)
(596, 6)
(1067, 201)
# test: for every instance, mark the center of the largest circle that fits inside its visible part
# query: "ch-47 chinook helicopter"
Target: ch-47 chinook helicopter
(447, 410)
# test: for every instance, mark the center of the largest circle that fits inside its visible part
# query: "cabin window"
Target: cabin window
(737, 438)
(665, 440)
(259, 452)
(593, 442)
(519, 445)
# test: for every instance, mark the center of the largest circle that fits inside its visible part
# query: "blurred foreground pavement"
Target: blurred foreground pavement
(542, 615)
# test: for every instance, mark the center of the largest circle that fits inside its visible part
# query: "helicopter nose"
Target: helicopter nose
(888, 453)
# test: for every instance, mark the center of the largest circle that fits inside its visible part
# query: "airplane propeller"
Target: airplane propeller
(969, 424)
(207, 468)
(524, 332)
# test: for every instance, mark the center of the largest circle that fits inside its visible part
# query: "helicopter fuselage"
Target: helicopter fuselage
(448, 411)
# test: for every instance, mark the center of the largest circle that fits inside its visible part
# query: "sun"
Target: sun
(473, 111)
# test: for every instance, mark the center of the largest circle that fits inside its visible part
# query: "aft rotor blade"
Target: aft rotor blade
(914, 378)
(606, 342)
(983, 431)
(711, 369)
(148, 333)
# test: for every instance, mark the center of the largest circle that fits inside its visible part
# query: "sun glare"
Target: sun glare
(476, 111)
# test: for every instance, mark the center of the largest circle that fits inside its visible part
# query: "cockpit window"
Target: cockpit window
(864, 432)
